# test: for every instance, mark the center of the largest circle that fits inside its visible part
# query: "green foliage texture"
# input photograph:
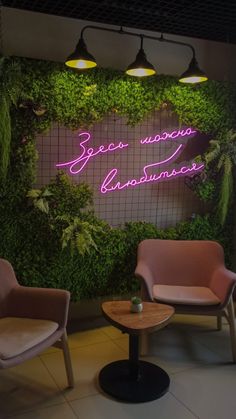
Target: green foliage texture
(32, 223)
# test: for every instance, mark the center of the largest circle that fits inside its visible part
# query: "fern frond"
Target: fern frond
(231, 135)
(64, 217)
(33, 193)
(81, 244)
(47, 193)
(214, 151)
(221, 161)
(42, 205)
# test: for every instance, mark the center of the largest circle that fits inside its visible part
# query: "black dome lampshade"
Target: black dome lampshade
(140, 67)
(193, 74)
(81, 58)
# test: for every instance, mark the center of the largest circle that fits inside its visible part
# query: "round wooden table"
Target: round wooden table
(131, 379)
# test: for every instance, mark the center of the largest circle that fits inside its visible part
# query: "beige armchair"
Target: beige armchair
(31, 320)
(189, 275)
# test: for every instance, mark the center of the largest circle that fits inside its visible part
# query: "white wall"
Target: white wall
(50, 37)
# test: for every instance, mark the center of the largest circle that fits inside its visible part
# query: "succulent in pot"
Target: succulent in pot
(136, 304)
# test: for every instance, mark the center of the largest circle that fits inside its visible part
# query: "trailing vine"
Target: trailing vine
(10, 85)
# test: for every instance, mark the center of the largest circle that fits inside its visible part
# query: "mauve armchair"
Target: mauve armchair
(189, 275)
(31, 320)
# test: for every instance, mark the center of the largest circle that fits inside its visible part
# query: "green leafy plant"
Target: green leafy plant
(222, 154)
(69, 198)
(78, 234)
(199, 228)
(10, 86)
(39, 199)
(136, 300)
(206, 190)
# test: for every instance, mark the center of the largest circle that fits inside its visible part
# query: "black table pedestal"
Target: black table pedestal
(132, 380)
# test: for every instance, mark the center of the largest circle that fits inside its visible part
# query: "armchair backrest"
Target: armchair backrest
(178, 262)
(7, 282)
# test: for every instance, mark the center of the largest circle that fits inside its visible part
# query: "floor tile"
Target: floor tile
(27, 386)
(89, 337)
(60, 411)
(79, 339)
(113, 332)
(209, 392)
(123, 343)
(50, 350)
(217, 341)
(102, 407)
(87, 362)
(175, 350)
(205, 333)
(190, 349)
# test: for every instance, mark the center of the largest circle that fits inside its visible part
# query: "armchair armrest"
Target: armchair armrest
(39, 303)
(222, 283)
(144, 273)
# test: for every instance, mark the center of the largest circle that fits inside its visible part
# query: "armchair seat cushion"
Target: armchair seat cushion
(188, 295)
(18, 334)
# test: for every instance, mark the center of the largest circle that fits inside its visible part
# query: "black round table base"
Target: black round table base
(115, 380)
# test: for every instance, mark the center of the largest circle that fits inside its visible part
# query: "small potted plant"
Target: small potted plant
(136, 305)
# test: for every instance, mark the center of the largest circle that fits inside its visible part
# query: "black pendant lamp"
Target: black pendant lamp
(193, 74)
(140, 67)
(81, 58)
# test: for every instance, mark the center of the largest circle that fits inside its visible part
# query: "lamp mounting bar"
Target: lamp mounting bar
(121, 31)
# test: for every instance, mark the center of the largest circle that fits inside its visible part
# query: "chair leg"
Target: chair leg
(219, 322)
(67, 359)
(231, 317)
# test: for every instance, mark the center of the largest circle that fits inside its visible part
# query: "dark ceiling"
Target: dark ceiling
(206, 19)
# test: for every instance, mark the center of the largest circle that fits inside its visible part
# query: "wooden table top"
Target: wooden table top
(153, 317)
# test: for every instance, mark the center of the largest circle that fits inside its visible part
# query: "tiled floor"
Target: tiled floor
(195, 355)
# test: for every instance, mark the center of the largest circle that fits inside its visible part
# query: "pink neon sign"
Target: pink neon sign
(77, 165)
(165, 136)
(110, 184)
(145, 178)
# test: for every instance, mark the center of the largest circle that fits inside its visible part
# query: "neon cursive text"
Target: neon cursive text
(111, 184)
(107, 185)
(78, 164)
(164, 136)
